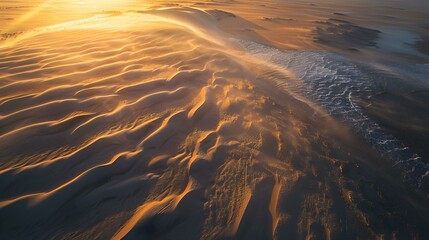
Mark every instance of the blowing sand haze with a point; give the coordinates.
(280, 119)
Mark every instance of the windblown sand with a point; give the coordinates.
(159, 125)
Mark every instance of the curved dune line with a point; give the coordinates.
(14, 97)
(49, 54)
(71, 38)
(84, 66)
(195, 75)
(18, 53)
(142, 87)
(19, 60)
(162, 133)
(20, 67)
(203, 99)
(273, 204)
(85, 45)
(198, 150)
(144, 102)
(41, 170)
(166, 204)
(83, 71)
(75, 74)
(81, 148)
(67, 106)
(106, 79)
(109, 97)
(56, 90)
(49, 104)
(89, 89)
(175, 55)
(102, 54)
(36, 198)
(47, 124)
(58, 109)
(198, 59)
(98, 56)
(238, 218)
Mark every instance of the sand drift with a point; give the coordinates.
(335, 83)
(148, 125)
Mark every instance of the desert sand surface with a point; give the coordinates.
(214, 119)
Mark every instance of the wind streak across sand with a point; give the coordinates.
(155, 126)
(336, 83)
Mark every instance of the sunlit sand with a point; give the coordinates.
(213, 120)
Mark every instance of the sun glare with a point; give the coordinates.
(102, 3)
(48, 12)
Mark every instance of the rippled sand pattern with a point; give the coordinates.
(149, 131)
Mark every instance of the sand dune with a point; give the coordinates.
(149, 125)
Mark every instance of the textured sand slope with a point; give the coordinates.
(146, 126)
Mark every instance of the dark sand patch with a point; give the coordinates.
(277, 19)
(405, 117)
(423, 46)
(220, 14)
(14, 7)
(5, 36)
(345, 35)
